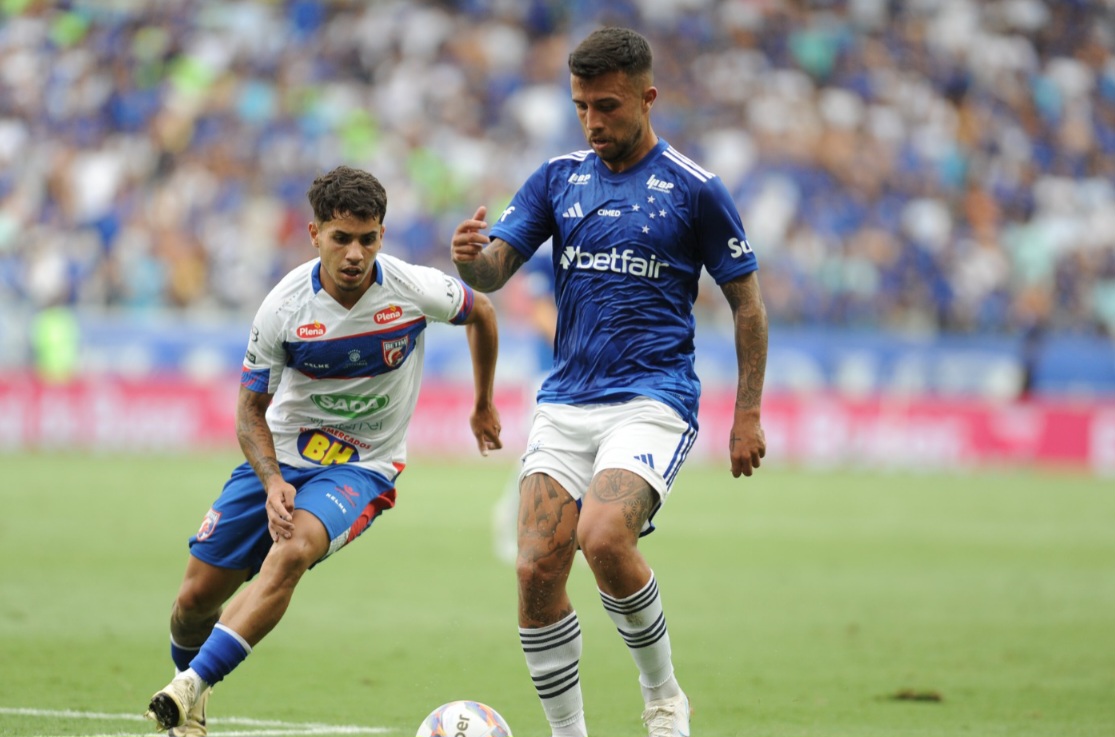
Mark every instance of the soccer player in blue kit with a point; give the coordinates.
(633, 221)
(329, 383)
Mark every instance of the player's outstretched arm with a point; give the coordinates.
(483, 345)
(482, 263)
(748, 444)
(259, 449)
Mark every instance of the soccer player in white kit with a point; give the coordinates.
(329, 383)
(633, 222)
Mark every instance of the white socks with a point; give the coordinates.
(642, 625)
(553, 656)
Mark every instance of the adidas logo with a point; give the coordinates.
(646, 458)
(574, 212)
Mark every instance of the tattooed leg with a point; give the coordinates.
(547, 543)
(613, 512)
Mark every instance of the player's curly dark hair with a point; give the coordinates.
(611, 50)
(347, 191)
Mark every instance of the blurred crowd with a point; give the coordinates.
(932, 166)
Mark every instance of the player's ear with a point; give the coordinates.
(650, 94)
(312, 228)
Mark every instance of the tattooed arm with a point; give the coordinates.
(483, 263)
(748, 444)
(259, 449)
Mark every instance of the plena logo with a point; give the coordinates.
(351, 406)
(615, 261)
(390, 313)
(311, 330)
(658, 185)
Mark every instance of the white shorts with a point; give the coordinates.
(573, 443)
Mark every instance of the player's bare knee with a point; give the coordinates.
(291, 558)
(604, 548)
(193, 613)
(608, 534)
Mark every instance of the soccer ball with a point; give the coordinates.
(464, 719)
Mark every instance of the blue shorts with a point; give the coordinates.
(345, 498)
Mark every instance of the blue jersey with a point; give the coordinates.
(628, 250)
(538, 274)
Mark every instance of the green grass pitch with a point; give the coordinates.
(800, 602)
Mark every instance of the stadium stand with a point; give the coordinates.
(938, 171)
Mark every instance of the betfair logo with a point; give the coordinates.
(615, 261)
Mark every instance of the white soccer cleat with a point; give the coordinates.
(195, 719)
(171, 705)
(667, 717)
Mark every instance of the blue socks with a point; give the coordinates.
(221, 653)
(182, 655)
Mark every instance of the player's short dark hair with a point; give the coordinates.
(347, 191)
(611, 50)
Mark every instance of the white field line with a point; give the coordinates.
(263, 727)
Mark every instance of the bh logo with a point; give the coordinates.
(325, 450)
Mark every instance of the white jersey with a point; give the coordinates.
(346, 381)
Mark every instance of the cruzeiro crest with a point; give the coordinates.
(394, 351)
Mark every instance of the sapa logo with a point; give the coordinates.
(351, 406)
(311, 330)
(390, 313)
